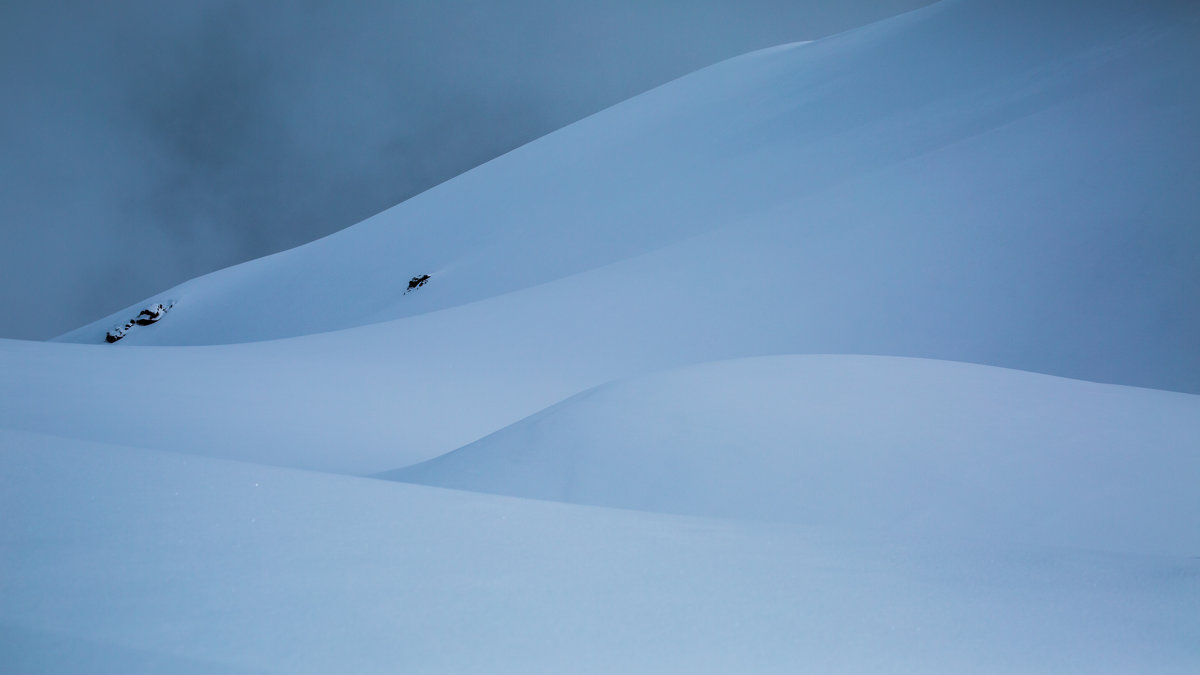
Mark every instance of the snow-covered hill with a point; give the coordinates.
(1010, 183)
(903, 446)
(634, 387)
(126, 561)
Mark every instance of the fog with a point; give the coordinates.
(146, 143)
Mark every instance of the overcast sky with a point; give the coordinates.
(143, 143)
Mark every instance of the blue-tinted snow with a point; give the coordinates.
(1003, 183)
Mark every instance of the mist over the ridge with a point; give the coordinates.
(146, 143)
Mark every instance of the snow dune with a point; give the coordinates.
(1009, 184)
(121, 561)
(900, 446)
(979, 180)
(718, 481)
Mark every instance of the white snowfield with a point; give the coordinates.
(130, 561)
(982, 180)
(902, 446)
(629, 421)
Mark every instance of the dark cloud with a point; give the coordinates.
(147, 142)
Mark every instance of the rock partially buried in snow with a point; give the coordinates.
(149, 315)
(117, 333)
(417, 282)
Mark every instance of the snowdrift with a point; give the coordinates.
(902, 446)
(1010, 183)
(1004, 183)
(119, 560)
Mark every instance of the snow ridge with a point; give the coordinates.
(617, 380)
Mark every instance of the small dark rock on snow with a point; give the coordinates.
(150, 315)
(145, 317)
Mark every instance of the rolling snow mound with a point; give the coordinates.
(1002, 182)
(904, 446)
(1010, 183)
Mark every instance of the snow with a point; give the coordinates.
(976, 181)
(900, 446)
(831, 357)
(140, 561)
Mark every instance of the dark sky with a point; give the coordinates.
(148, 142)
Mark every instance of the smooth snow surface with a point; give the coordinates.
(120, 561)
(981, 180)
(896, 445)
(628, 417)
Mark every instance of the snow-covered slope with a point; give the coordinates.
(995, 182)
(125, 561)
(902, 446)
(1001, 182)
(1007, 183)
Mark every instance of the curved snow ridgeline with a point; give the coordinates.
(717, 480)
(1009, 183)
(903, 446)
